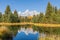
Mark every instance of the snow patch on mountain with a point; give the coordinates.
(28, 13)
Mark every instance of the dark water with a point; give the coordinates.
(22, 36)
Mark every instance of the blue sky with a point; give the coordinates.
(22, 5)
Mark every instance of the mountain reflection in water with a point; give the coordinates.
(26, 34)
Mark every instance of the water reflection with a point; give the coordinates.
(26, 34)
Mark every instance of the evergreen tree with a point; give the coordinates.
(35, 19)
(0, 17)
(49, 13)
(7, 11)
(13, 17)
(41, 18)
(16, 16)
(6, 16)
(58, 17)
(54, 14)
(56, 10)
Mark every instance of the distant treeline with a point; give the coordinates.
(52, 15)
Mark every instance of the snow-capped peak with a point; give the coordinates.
(28, 13)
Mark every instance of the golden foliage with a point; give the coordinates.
(3, 29)
(30, 17)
